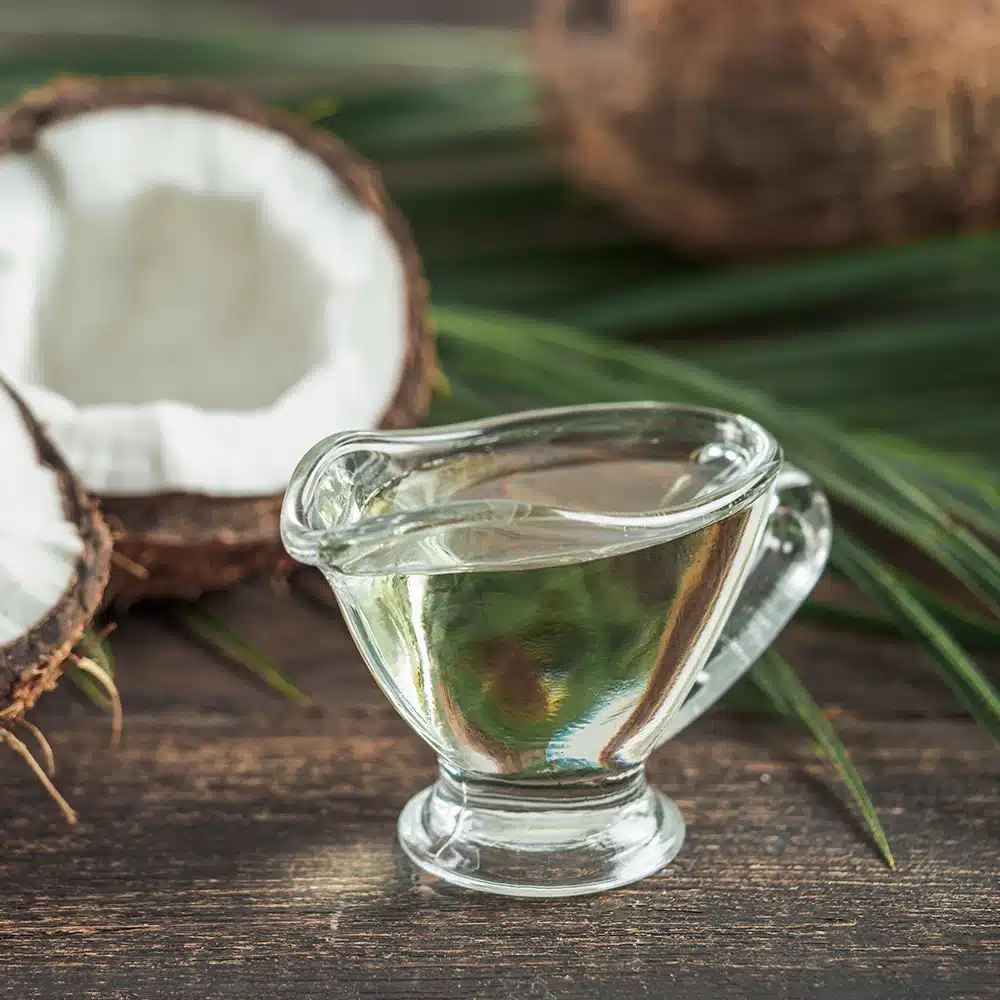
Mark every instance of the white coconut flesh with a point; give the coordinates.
(188, 301)
(39, 547)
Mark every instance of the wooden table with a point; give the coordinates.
(237, 846)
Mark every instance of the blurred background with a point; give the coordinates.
(513, 13)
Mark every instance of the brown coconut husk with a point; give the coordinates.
(32, 664)
(755, 128)
(181, 544)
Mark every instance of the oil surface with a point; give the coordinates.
(513, 650)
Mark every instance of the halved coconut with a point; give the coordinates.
(55, 553)
(194, 290)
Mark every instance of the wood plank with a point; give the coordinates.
(239, 847)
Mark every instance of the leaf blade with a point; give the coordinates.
(212, 629)
(777, 680)
(570, 365)
(882, 585)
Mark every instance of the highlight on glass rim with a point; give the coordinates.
(465, 451)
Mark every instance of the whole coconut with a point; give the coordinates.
(750, 128)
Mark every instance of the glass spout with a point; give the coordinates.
(331, 505)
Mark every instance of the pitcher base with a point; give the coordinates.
(541, 841)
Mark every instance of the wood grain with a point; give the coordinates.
(238, 847)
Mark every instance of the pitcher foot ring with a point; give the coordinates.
(521, 847)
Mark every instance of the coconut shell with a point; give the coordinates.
(178, 544)
(754, 128)
(32, 664)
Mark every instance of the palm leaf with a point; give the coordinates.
(586, 366)
(884, 586)
(34, 48)
(778, 681)
(560, 365)
(742, 294)
(213, 630)
(94, 647)
(971, 629)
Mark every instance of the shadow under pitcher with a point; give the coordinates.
(546, 598)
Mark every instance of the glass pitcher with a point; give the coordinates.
(548, 597)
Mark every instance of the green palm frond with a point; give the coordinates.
(225, 640)
(778, 682)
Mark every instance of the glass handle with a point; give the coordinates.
(789, 562)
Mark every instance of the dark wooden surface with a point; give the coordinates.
(239, 847)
